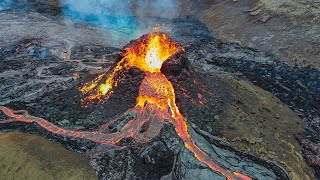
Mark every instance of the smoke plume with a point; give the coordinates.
(129, 16)
(5, 4)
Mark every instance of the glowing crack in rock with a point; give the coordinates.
(155, 103)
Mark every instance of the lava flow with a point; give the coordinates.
(154, 105)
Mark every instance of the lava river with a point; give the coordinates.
(155, 103)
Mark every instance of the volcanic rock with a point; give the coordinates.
(63, 106)
(173, 65)
(207, 100)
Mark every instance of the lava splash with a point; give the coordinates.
(155, 104)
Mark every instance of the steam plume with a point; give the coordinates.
(119, 15)
(5, 4)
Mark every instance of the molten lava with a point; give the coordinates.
(147, 54)
(155, 102)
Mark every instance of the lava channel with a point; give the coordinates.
(155, 103)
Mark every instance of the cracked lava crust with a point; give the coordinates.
(155, 103)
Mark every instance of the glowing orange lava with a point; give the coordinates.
(147, 54)
(155, 103)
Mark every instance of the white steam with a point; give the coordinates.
(129, 16)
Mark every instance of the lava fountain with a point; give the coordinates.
(155, 103)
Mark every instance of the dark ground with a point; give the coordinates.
(47, 88)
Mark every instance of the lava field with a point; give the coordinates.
(148, 110)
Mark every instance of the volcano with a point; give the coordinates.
(155, 103)
(158, 63)
(156, 100)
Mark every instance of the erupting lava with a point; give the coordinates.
(154, 105)
(147, 54)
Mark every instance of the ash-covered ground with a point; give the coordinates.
(34, 78)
